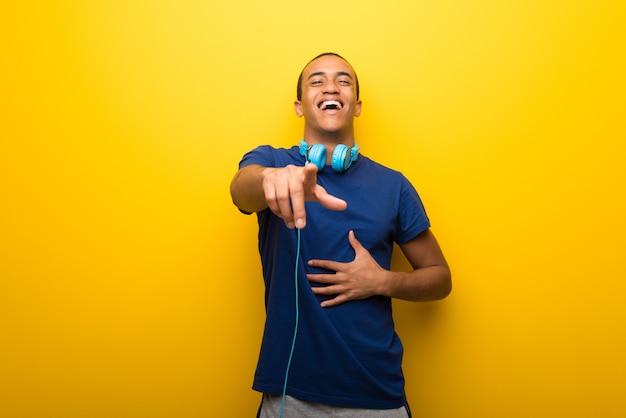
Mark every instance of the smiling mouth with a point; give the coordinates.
(330, 105)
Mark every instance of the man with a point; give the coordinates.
(328, 218)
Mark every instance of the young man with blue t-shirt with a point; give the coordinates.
(328, 218)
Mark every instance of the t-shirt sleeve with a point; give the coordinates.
(262, 156)
(412, 218)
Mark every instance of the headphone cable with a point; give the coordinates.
(295, 331)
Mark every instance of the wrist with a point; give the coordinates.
(385, 283)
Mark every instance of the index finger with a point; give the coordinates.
(326, 264)
(309, 177)
(299, 193)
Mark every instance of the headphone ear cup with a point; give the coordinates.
(304, 148)
(340, 160)
(317, 156)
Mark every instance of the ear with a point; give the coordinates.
(357, 108)
(297, 106)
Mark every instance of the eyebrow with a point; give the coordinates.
(338, 73)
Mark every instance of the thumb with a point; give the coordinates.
(315, 192)
(355, 243)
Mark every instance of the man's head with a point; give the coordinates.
(328, 99)
(299, 86)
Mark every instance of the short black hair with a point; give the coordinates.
(299, 87)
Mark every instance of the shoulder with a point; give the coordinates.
(388, 180)
(269, 156)
(376, 170)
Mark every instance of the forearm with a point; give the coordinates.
(420, 285)
(246, 189)
(364, 277)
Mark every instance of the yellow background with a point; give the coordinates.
(130, 285)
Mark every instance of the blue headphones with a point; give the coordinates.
(339, 161)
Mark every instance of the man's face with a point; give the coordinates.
(328, 102)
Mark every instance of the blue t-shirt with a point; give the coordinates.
(348, 355)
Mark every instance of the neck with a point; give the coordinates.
(330, 142)
(329, 139)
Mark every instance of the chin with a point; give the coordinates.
(334, 127)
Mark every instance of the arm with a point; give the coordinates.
(246, 189)
(363, 277)
(430, 279)
(283, 190)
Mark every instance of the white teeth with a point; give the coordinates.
(330, 103)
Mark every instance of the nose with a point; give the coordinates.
(331, 87)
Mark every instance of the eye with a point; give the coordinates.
(344, 82)
(317, 82)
